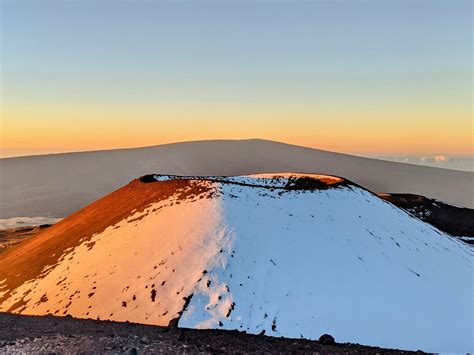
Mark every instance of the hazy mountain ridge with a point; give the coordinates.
(60, 184)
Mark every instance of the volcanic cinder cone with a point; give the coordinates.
(288, 255)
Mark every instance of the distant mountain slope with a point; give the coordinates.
(288, 255)
(57, 185)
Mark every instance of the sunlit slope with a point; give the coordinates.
(57, 185)
(292, 256)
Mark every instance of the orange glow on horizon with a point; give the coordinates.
(51, 129)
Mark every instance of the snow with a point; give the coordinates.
(275, 180)
(293, 263)
(338, 272)
(128, 261)
(163, 177)
(420, 212)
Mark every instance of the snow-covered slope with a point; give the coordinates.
(287, 255)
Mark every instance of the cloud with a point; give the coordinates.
(18, 222)
(463, 163)
(437, 158)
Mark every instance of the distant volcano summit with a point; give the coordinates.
(293, 255)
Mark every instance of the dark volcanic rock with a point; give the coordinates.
(457, 221)
(48, 334)
(327, 339)
(148, 178)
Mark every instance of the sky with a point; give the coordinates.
(358, 76)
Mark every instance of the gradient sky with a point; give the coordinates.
(354, 76)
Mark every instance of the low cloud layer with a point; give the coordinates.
(18, 222)
(438, 161)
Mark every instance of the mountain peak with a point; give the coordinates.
(287, 254)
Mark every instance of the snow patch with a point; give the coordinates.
(273, 180)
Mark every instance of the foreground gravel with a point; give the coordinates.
(48, 334)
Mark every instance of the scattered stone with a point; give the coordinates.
(327, 339)
(71, 336)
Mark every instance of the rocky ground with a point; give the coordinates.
(12, 236)
(48, 334)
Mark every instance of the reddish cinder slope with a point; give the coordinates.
(28, 260)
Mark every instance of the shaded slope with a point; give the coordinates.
(60, 184)
(286, 256)
(454, 220)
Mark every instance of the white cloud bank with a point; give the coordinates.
(463, 163)
(18, 222)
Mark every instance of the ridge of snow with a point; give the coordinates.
(275, 180)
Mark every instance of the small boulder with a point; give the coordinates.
(327, 339)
